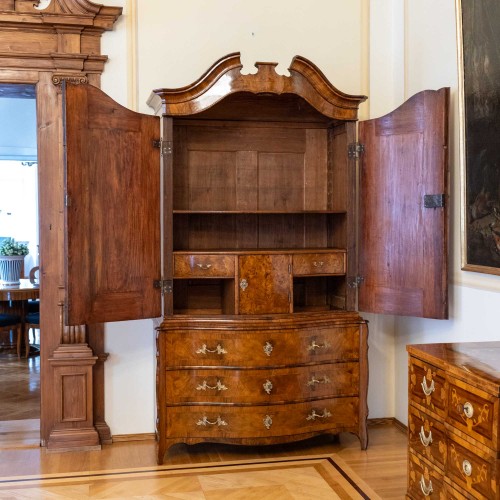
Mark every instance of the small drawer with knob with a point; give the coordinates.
(427, 387)
(194, 265)
(427, 437)
(262, 421)
(310, 264)
(257, 386)
(473, 411)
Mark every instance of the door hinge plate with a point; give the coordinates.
(165, 146)
(434, 200)
(355, 281)
(355, 149)
(166, 286)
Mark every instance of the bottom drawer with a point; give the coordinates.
(424, 481)
(337, 414)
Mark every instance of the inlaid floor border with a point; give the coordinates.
(336, 462)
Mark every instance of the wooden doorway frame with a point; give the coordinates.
(44, 48)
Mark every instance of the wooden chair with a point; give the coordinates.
(32, 320)
(9, 322)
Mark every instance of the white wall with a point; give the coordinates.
(388, 49)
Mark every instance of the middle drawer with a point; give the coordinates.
(257, 386)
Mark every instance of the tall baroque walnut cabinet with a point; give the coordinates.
(235, 217)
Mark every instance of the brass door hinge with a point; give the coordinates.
(166, 286)
(165, 146)
(355, 150)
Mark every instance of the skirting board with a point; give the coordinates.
(119, 438)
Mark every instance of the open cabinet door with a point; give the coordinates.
(403, 239)
(112, 214)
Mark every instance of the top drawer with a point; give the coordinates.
(308, 264)
(259, 348)
(427, 387)
(203, 266)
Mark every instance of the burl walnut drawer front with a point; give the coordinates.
(427, 436)
(261, 348)
(258, 386)
(473, 411)
(262, 421)
(427, 387)
(204, 266)
(319, 263)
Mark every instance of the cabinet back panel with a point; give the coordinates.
(238, 166)
(247, 231)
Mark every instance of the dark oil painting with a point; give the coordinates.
(481, 70)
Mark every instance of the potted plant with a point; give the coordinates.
(12, 255)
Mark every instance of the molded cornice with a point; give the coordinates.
(65, 12)
(225, 78)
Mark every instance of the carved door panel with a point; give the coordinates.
(265, 284)
(403, 240)
(112, 216)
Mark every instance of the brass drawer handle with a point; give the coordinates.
(205, 267)
(218, 387)
(268, 421)
(318, 263)
(428, 390)
(313, 346)
(426, 490)
(468, 410)
(204, 350)
(219, 422)
(268, 348)
(426, 441)
(467, 467)
(243, 284)
(314, 415)
(313, 381)
(268, 386)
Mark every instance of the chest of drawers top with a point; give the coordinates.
(477, 363)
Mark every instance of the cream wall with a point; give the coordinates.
(387, 49)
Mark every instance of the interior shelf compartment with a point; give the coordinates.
(319, 293)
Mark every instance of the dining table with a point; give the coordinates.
(14, 299)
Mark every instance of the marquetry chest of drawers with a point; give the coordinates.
(453, 421)
(269, 379)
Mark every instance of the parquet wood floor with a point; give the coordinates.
(306, 478)
(382, 466)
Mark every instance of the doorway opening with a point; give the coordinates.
(19, 222)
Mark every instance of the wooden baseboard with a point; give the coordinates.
(388, 421)
(120, 438)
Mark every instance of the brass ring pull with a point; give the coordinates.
(204, 266)
(313, 381)
(219, 422)
(428, 390)
(204, 350)
(467, 467)
(314, 415)
(318, 263)
(313, 346)
(426, 490)
(218, 387)
(425, 440)
(468, 410)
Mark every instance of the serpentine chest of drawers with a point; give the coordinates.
(453, 421)
(263, 381)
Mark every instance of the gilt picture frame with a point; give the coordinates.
(478, 34)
